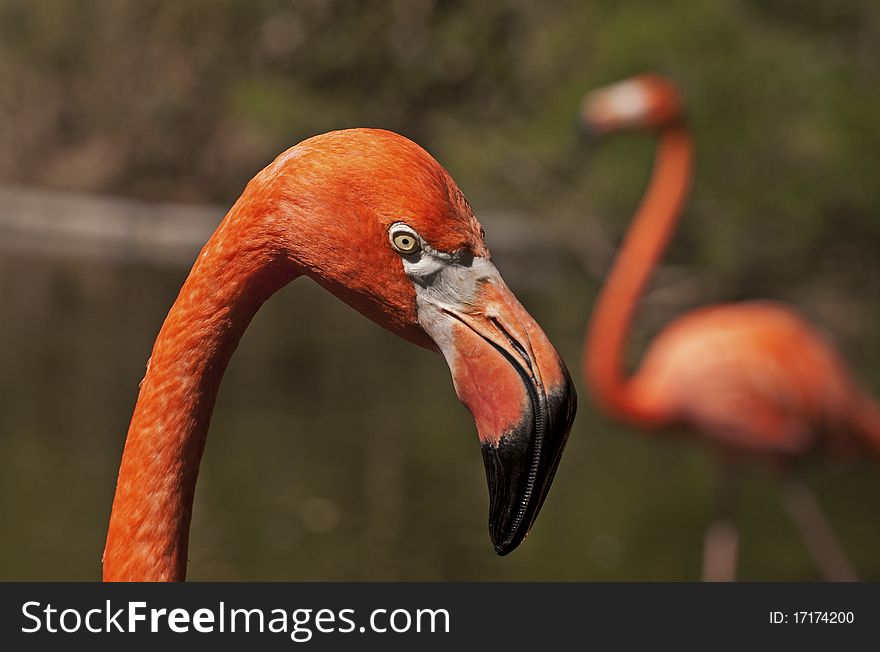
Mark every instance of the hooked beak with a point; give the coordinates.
(516, 386)
(594, 120)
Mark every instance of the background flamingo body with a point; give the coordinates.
(756, 378)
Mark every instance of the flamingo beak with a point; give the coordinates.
(596, 117)
(513, 381)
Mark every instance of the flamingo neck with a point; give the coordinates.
(237, 270)
(642, 249)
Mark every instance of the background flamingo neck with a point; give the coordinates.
(149, 525)
(642, 248)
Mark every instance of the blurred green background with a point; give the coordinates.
(336, 450)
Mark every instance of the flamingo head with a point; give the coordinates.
(378, 222)
(642, 102)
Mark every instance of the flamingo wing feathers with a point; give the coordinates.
(754, 376)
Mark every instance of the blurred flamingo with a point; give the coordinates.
(374, 219)
(753, 378)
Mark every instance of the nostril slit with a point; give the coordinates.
(513, 342)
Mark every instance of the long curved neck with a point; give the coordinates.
(237, 270)
(642, 248)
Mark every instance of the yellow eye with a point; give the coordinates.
(404, 242)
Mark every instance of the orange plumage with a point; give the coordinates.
(328, 209)
(756, 378)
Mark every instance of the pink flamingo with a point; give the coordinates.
(375, 220)
(753, 378)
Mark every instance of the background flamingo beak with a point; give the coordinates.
(513, 381)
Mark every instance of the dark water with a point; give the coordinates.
(340, 452)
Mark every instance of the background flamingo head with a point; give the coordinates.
(373, 218)
(647, 101)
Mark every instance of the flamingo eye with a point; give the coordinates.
(404, 241)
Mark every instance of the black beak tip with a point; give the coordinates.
(521, 467)
(504, 548)
(506, 540)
